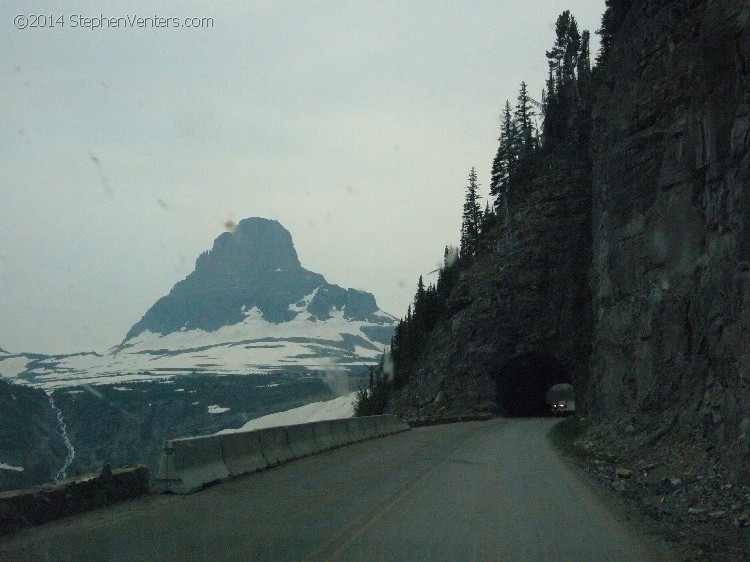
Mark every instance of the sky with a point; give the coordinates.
(124, 151)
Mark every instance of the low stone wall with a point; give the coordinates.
(40, 504)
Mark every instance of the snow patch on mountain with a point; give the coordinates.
(338, 408)
(11, 367)
(301, 307)
(248, 307)
(216, 409)
(252, 346)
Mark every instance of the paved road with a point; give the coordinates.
(474, 491)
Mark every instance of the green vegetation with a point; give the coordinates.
(613, 17)
(564, 435)
(372, 400)
(471, 226)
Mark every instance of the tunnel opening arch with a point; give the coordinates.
(523, 383)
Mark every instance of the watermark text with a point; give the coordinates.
(101, 21)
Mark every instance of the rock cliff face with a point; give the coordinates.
(629, 274)
(523, 307)
(671, 222)
(31, 449)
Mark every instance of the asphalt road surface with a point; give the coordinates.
(493, 490)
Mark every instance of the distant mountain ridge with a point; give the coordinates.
(255, 266)
(248, 307)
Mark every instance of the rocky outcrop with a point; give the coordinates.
(255, 266)
(671, 224)
(524, 304)
(629, 273)
(249, 307)
(31, 449)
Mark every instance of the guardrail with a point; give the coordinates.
(189, 464)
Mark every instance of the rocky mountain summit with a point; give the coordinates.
(254, 267)
(249, 307)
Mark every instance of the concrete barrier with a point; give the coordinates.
(301, 440)
(355, 428)
(368, 427)
(242, 452)
(41, 504)
(189, 464)
(323, 437)
(275, 445)
(339, 432)
(382, 425)
(390, 424)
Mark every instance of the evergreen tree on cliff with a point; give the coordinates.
(504, 161)
(472, 218)
(524, 123)
(372, 400)
(566, 110)
(569, 83)
(614, 15)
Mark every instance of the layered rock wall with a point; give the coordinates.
(671, 221)
(526, 296)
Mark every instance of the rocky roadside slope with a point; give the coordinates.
(682, 493)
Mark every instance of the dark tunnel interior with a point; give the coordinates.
(523, 382)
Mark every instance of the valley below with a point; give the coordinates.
(126, 424)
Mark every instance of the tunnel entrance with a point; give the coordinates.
(524, 381)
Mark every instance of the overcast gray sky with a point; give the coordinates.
(354, 124)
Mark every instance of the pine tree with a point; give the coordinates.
(505, 159)
(614, 15)
(583, 63)
(419, 297)
(373, 399)
(550, 126)
(524, 123)
(488, 220)
(572, 42)
(472, 217)
(419, 329)
(584, 85)
(568, 86)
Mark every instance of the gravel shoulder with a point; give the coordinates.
(673, 488)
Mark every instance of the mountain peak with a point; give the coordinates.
(256, 245)
(253, 268)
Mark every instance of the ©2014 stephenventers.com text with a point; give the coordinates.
(130, 21)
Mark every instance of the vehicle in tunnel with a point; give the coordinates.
(561, 399)
(524, 382)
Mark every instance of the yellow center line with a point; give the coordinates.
(367, 520)
(378, 515)
(362, 522)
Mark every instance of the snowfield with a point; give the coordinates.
(216, 409)
(253, 346)
(338, 408)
